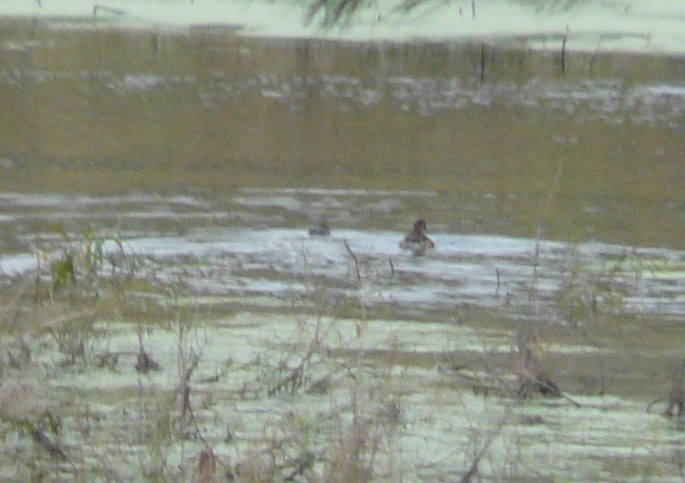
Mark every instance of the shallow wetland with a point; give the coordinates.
(155, 194)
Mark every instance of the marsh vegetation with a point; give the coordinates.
(123, 370)
(165, 314)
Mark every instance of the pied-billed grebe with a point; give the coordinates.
(416, 240)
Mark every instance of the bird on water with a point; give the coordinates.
(416, 240)
(321, 229)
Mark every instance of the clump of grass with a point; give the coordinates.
(85, 265)
(295, 369)
(70, 343)
(588, 293)
(535, 377)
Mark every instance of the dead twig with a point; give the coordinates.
(295, 377)
(354, 258)
(492, 434)
(145, 363)
(562, 61)
(44, 441)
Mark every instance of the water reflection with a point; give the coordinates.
(594, 154)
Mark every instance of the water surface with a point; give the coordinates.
(592, 153)
(555, 198)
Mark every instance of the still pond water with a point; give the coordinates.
(202, 143)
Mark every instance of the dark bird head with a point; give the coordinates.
(420, 226)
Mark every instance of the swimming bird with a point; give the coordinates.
(322, 229)
(416, 240)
